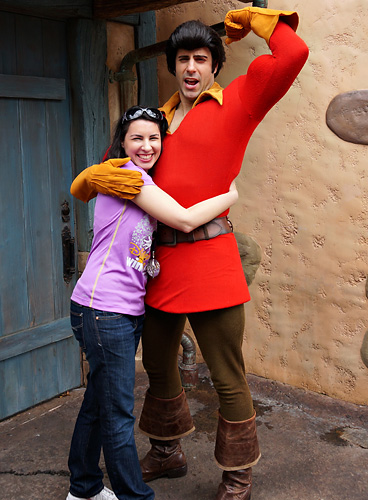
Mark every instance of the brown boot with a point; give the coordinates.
(166, 419)
(165, 459)
(235, 485)
(236, 451)
(237, 444)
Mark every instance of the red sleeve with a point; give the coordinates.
(270, 76)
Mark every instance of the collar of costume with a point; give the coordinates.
(214, 92)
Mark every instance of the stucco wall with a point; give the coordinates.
(304, 199)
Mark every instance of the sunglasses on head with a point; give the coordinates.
(138, 111)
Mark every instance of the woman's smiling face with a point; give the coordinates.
(142, 143)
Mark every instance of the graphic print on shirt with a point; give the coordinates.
(141, 242)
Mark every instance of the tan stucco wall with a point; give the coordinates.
(304, 199)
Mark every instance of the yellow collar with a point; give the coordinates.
(169, 108)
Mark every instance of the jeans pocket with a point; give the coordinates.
(76, 320)
(108, 315)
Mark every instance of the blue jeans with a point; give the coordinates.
(106, 419)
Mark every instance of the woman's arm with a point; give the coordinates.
(162, 207)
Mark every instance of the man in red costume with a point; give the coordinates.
(201, 275)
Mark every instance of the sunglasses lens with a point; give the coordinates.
(136, 112)
(154, 113)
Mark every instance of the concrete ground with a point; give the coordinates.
(313, 447)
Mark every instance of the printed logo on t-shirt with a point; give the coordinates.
(141, 243)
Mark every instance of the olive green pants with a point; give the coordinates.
(219, 334)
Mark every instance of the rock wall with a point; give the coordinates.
(304, 200)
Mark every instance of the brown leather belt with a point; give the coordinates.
(170, 237)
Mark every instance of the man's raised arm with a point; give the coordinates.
(269, 76)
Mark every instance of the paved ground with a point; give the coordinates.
(313, 447)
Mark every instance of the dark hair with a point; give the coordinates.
(193, 35)
(116, 150)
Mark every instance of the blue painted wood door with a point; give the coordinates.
(39, 357)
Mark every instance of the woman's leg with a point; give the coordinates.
(115, 370)
(86, 477)
(111, 341)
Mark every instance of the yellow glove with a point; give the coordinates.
(238, 23)
(107, 178)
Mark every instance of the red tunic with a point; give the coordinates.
(199, 160)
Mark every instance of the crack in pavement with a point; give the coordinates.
(35, 473)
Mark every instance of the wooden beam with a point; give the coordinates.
(62, 9)
(145, 35)
(87, 43)
(130, 19)
(107, 9)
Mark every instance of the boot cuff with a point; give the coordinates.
(166, 419)
(237, 444)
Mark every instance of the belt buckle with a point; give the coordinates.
(230, 224)
(172, 243)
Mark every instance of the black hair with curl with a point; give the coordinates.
(193, 35)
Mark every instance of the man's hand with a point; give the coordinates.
(107, 178)
(238, 23)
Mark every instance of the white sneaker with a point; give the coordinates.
(105, 494)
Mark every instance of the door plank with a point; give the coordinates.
(7, 43)
(28, 44)
(32, 87)
(35, 176)
(13, 284)
(37, 211)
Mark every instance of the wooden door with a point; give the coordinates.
(39, 357)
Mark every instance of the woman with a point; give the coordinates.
(107, 309)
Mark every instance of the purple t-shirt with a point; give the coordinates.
(115, 277)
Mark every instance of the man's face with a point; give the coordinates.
(193, 72)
